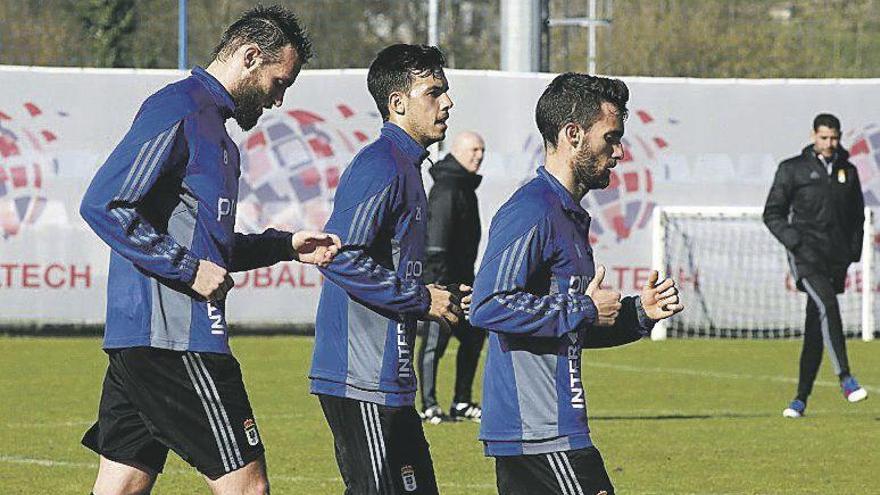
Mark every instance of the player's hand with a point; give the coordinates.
(212, 281)
(660, 300)
(315, 248)
(607, 302)
(467, 294)
(444, 305)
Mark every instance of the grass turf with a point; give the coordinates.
(674, 417)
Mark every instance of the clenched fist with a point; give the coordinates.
(607, 302)
(212, 281)
(315, 248)
(467, 295)
(445, 305)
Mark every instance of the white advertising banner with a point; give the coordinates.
(688, 142)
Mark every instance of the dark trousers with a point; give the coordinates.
(431, 349)
(822, 329)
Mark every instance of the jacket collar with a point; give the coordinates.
(218, 93)
(409, 146)
(568, 202)
(450, 170)
(841, 155)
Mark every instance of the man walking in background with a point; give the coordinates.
(453, 238)
(373, 295)
(816, 210)
(165, 203)
(541, 299)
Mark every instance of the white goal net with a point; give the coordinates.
(735, 280)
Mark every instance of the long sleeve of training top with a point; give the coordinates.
(258, 250)
(363, 202)
(632, 324)
(111, 203)
(778, 206)
(503, 301)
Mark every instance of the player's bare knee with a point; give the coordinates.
(260, 487)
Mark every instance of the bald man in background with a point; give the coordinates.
(453, 237)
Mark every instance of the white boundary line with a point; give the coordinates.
(716, 374)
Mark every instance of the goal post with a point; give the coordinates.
(735, 277)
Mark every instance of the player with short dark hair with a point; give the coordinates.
(164, 201)
(270, 28)
(540, 297)
(373, 295)
(816, 210)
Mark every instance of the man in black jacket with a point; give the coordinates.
(816, 210)
(453, 237)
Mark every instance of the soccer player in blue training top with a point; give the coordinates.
(537, 294)
(373, 295)
(165, 203)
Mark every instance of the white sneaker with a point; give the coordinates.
(795, 409)
(852, 390)
(857, 395)
(434, 415)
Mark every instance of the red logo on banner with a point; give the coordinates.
(25, 160)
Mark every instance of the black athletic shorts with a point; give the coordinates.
(380, 450)
(575, 472)
(192, 403)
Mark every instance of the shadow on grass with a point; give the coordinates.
(663, 417)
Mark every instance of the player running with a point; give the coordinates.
(537, 294)
(165, 203)
(362, 367)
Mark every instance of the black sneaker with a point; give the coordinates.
(434, 415)
(465, 410)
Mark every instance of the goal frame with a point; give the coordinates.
(659, 221)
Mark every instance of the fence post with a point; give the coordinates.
(182, 63)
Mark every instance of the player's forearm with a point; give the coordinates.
(527, 314)
(258, 250)
(632, 324)
(369, 282)
(135, 239)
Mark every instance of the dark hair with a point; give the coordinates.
(573, 97)
(395, 67)
(270, 28)
(827, 120)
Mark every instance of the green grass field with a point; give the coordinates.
(675, 417)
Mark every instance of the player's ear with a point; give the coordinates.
(572, 133)
(397, 103)
(251, 56)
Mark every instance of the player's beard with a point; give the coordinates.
(249, 99)
(586, 170)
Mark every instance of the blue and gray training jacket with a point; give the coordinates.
(165, 199)
(373, 293)
(530, 293)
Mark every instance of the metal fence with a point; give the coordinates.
(345, 33)
(695, 38)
